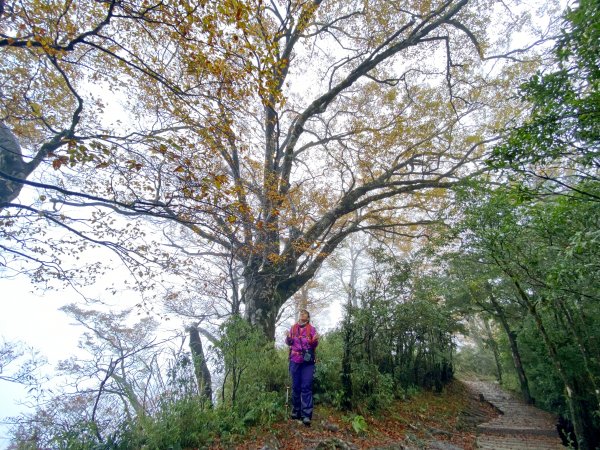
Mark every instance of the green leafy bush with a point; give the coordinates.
(255, 374)
(327, 387)
(359, 424)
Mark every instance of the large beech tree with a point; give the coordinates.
(270, 130)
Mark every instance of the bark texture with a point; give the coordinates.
(201, 370)
(12, 164)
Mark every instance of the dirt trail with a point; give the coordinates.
(456, 419)
(518, 427)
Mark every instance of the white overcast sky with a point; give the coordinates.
(32, 318)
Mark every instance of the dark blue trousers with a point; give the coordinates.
(302, 382)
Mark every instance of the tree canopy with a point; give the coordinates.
(559, 140)
(270, 131)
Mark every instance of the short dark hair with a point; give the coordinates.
(305, 311)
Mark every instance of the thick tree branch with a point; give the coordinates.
(319, 105)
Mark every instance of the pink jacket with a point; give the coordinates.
(302, 338)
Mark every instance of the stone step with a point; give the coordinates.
(518, 427)
(517, 442)
(504, 430)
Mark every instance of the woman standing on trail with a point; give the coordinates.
(302, 340)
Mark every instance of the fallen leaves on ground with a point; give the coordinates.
(425, 417)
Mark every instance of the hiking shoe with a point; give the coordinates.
(295, 417)
(306, 421)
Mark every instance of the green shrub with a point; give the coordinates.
(255, 374)
(371, 388)
(359, 424)
(253, 393)
(178, 424)
(327, 387)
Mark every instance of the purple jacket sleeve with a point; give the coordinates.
(297, 342)
(290, 340)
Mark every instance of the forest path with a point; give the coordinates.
(519, 426)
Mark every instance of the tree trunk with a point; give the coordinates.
(352, 282)
(14, 169)
(580, 416)
(495, 350)
(262, 301)
(582, 347)
(11, 163)
(346, 402)
(516, 356)
(200, 368)
(514, 350)
(303, 300)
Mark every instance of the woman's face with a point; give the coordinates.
(303, 317)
